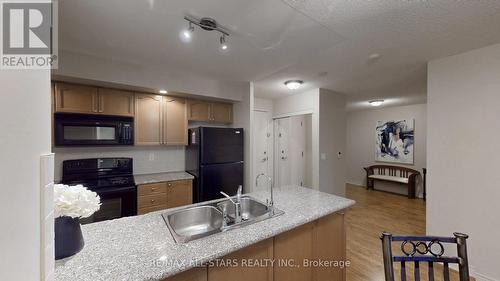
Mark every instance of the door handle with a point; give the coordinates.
(264, 159)
(283, 157)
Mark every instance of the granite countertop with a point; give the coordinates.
(162, 177)
(142, 248)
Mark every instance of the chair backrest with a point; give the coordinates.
(424, 249)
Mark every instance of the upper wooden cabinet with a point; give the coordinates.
(222, 112)
(75, 98)
(174, 121)
(199, 110)
(160, 120)
(148, 118)
(210, 111)
(72, 98)
(116, 102)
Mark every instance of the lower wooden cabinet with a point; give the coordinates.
(164, 195)
(195, 274)
(295, 245)
(244, 270)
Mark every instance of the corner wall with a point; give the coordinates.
(361, 142)
(463, 149)
(25, 127)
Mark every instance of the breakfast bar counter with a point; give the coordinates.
(142, 247)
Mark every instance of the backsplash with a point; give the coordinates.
(147, 160)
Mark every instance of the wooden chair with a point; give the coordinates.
(422, 249)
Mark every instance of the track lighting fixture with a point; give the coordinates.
(208, 24)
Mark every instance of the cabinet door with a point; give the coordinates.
(329, 245)
(294, 245)
(179, 193)
(221, 112)
(244, 271)
(195, 274)
(174, 121)
(75, 98)
(148, 119)
(116, 102)
(199, 111)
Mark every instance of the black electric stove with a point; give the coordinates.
(111, 178)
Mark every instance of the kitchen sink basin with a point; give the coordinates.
(194, 222)
(250, 208)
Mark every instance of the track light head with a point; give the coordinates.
(223, 44)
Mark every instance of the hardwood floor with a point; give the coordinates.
(375, 212)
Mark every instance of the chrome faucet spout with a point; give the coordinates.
(270, 203)
(237, 204)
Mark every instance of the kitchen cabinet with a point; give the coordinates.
(329, 245)
(116, 102)
(148, 119)
(74, 98)
(294, 245)
(221, 112)
(174, 121)
(160, 120)
(179, 193)
(163, 195)
(245, 269)
(215, 112)
(195, 274)
(199, 111)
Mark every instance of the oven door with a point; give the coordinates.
(115, 203)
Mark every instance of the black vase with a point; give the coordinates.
(68, 237)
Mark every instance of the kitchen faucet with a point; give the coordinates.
(270, 203)
(237, 204)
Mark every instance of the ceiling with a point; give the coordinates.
(326, 43)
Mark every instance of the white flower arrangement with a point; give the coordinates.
(75, 201)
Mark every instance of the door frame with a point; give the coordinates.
(270, 145)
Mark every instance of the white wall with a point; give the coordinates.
(361, 137)
(243, 118)
(332, 129)
(328, 134)
(463, 149)
(152, 77)
(147, 159)
(25, 136)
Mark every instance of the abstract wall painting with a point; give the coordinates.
(394, 141)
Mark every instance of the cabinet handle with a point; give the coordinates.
(153, 188)
(169, 184)
(152, 200)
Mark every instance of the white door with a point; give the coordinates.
(297, 147)
(282, 171)
(262, 145)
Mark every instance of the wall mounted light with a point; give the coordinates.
(376, 102)
(223, 44)
(293, 84)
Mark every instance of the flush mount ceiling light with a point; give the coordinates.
(163, 92)
(293, 84)
(376, 102)
(207, 24)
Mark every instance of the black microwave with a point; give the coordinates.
(89, 130)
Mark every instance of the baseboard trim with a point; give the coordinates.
(481, 277)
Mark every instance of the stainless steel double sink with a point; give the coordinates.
(194, 222)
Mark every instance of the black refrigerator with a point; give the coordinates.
(214, 156)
